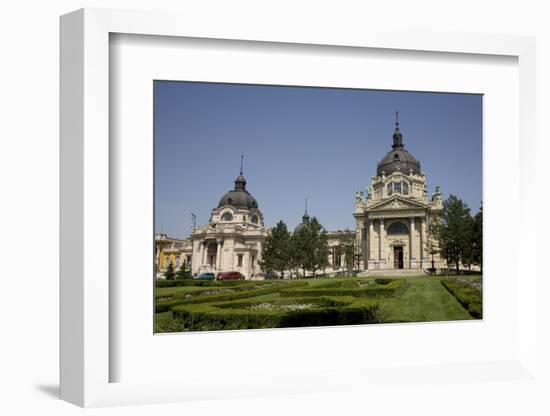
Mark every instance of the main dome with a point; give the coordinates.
(239, 197)
(398, 159)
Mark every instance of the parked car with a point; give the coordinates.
(206, 276)
(230, 276)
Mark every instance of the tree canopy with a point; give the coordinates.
(306, 250)
(455, 232)
(276, 251)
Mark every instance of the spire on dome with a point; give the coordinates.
(240, 182)
(397, 136)
(305, 218)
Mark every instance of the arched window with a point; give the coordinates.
(390, 189)
(398, 228)
(227, 216)
(254, 219)
(397, 187)
(405, 188)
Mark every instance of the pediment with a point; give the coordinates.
(397, 203)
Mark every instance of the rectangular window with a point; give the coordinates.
(390, 189)
(239, 260)
(397, 187)
(253, 261)
(405, 188)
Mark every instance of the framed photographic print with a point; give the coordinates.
(324, 209)
(402, 253)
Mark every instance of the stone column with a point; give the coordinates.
(382, 253)
(201, 254)
(411, 239)
(219, 254)
(204, 259)
(359, 243)
(423, 241)
(157, 258)
(371, 247)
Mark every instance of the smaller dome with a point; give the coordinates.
(239, 197)
(304, 225)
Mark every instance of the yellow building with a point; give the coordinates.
(171, 250)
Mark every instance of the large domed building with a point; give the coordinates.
(232, 239)
(392, 216)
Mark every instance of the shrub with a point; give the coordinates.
(388, 290)
(201, 317)
(469, 297)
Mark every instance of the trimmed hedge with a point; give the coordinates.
(195, 282)
(469, 297)
(376, 291)
(205, 317)
(179, 299)
(341, 302)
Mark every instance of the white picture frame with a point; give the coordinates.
(86, 355)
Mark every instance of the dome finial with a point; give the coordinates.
(240, 182)
(305, 218)
(397, 136)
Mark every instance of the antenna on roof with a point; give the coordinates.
(397, 118)
(306, 205)
(241, 164)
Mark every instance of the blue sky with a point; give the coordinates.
(319, 143)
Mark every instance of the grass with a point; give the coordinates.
(426, 300)
(340, 301)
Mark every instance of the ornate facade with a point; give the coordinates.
(232, 240)
(392, 215)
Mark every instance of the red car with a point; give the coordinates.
(230, 276)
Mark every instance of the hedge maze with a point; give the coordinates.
(190, 305)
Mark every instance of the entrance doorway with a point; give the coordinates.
(398, 257)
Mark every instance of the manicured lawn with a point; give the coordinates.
(306, 302)
(425, 300)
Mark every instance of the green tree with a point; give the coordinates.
(310, 248)
(316, 247)
(302, 243)
(468, 249)
(455, 230)
(321, 252)
(295, 255)
(169, 272)
(346, 248)
(276, 251)
(477, 239)
(432, 247)
(184, 272)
